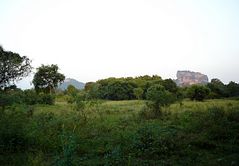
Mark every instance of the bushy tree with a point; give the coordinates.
(47, 78)
(198, 92)
(120, 90)
(218, 89)
(12, 67)
(71, 90)
(170, 85)
(92, 90)
(138, 93)
(114, 89)
(158, 97)
(233, 89)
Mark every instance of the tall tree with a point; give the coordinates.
(218, 88)
(47, 78)
(233, 89)
(13, 67)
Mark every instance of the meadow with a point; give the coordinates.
(121, 133)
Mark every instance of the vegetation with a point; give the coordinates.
(12, 67)
(114, 133)
(158, 97)
(47, 78)
(198, 92)
(89, 127)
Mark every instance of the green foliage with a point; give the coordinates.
(117, 90)
(71, 90)
(233, 89)
(30, 97)
(153, 141)
(92, 90)
(69, 146)
(121, 88)
(198, 92)
(12, 67)
(159, 97)
(13, 134)
(170, 85)
(138, 93)
(71, 94)
(8, 98)
(218, 89)
(47, 78)
(203, 133)
(48, 99)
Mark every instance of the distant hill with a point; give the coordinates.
(70, 81)
(187, 78)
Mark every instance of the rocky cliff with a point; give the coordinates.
(187, 78)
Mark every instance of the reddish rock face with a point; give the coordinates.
(187, 78)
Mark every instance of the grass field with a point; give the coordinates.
(122, 133)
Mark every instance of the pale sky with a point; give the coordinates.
(95, 39)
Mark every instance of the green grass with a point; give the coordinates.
(120, 133)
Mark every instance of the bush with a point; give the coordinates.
(158, 97)
(13, 131)
(198, 92)
(153, 142)
(46, 99)
(9, 98)
(30, 97)
(138, 93)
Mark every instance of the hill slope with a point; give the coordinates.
(70, 81)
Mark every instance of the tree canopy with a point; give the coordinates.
(47, 78)
(198, 92)
(13, 67)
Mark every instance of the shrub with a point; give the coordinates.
(155, 141)
(9, 98)
(198, 92)
(158, 97)
(30, 97)
(13, 131)
(46, 99)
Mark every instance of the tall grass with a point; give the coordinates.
(122, 133)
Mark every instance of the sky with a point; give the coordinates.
(96, 39)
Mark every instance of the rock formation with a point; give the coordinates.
(187, 78)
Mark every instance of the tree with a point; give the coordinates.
(138, 92)
(13, 67)
(217, 88)
(159, 97)
(92, 90)
(120, 90)
(233, 89)
(71, 90)
(47, 78)
(198, 92)
(170, 85)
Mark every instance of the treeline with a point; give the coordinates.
(136, 88)
(14, 67)
(127, 88)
